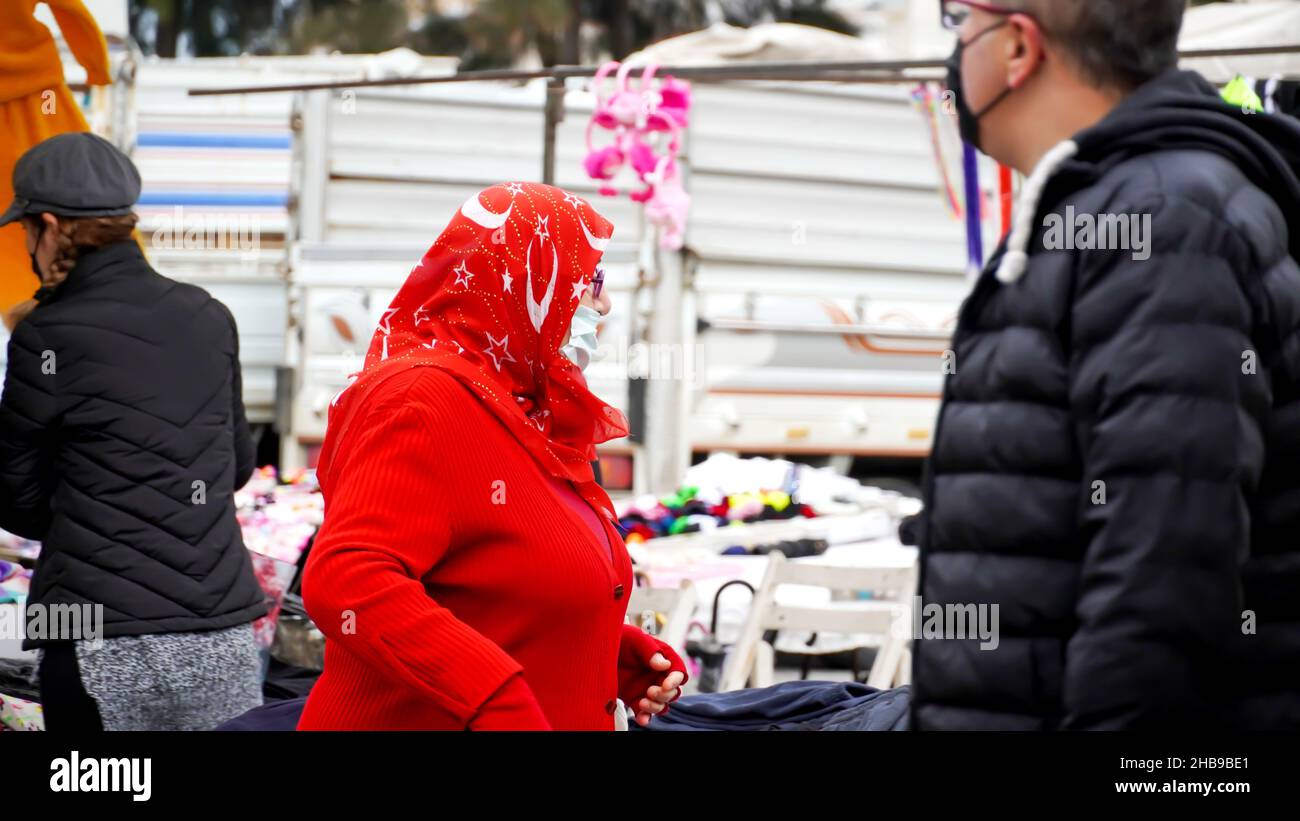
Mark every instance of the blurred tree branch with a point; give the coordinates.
(493, 34)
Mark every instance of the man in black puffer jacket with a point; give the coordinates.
(122, 441)
(1116, 466)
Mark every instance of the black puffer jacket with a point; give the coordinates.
(122, 395)
(1117, 461)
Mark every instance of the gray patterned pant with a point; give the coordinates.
(172, 681)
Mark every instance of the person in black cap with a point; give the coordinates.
(122, 441)
(78, 176)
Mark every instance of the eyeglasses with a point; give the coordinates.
(953, 13)
(597, 283)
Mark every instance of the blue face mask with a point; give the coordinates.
(582, 337)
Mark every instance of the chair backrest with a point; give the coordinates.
(891, 586)
(676, 604)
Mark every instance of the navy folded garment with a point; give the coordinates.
(791, 705)
(274, 716)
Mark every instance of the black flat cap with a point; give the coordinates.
(73, 175)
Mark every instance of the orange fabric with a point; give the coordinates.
(35, 104)
(29, 57)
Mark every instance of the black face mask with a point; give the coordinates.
(968, 121)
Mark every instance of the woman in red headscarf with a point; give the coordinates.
(468, 573)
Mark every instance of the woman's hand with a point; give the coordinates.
(658, 696)
(650, 673)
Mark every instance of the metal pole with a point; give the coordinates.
(667, 448)
(805, 70)
(553, 111)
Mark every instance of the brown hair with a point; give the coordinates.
(77, 236)
(85, 234)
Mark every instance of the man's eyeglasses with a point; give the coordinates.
(953, 13)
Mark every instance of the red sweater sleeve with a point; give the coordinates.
(387, 525)
(513, 707)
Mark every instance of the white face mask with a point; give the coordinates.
(582, 337)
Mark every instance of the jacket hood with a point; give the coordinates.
(1180, 110)
(1176, 111)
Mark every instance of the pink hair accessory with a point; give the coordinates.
(669, 205)
(646, 123)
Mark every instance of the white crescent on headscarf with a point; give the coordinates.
(537, 311)
(596, 243)
(475, 212)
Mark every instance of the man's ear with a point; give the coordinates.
(1024, 49)
(51, 222)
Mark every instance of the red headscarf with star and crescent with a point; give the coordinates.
(490, 303)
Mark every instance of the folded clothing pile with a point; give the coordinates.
(792, 548)
(793, 705)
(18, 677)
(693, 511)
(20, 715)
(279, 515)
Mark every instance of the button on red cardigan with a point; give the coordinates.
(446, 566)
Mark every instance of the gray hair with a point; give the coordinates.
(1113, 43)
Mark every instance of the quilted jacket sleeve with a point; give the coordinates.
(28, 434)
(245, 450)
(1166, 412)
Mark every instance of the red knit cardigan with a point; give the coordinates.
(446, 565)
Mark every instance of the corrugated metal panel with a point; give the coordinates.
(814, 205)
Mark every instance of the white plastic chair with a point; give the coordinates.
(882, 618)
(677, 606)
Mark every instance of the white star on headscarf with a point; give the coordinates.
(505, 282)
(543, 230)
(572, 200)
(421, 315)
(579, 288)
(385, 323)
(498, 356)
(515, 188)
(463, 275)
